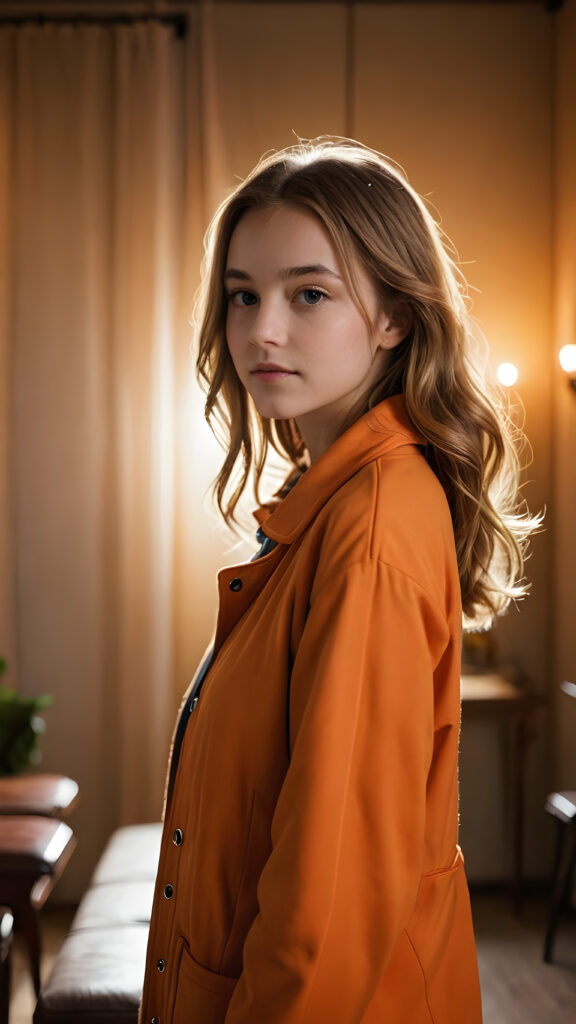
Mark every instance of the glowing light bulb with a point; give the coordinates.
(507, 374)
(567, 357)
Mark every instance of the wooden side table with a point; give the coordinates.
(490, 696)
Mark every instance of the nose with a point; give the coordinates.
(268, 327)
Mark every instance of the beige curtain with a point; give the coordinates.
(96, 386)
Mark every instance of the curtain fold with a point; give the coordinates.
(146, 249)
(7, 615)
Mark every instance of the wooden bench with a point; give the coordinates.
(99, 971)
(53, 796)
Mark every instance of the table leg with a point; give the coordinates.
(518, 769)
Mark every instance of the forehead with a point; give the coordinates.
(282, 235)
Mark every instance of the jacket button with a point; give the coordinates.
(155, 1020)
(161, 965)
(168, 891)
(178, 837)
(236, 584)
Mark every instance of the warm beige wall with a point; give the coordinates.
(273, 72)
(462, 97)
(564, 496)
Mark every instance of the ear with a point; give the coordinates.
(392, 329)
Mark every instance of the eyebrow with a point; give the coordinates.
(286, 273)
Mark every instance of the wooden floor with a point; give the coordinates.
(56, 921)
(517, 987)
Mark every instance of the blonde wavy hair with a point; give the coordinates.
(372, 215)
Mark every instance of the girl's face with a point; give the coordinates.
(299, 343)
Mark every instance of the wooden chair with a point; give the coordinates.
(562, 807)
(34, 851)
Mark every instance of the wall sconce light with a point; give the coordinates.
(507, 374)
(567, 357)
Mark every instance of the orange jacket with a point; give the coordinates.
(309, 872)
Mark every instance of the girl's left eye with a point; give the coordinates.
(241, 298)
(310, 296)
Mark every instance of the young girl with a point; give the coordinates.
(309, 871)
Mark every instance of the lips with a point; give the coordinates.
(271, 371)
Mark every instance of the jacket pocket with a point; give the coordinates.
(442, 939)
(200, 995)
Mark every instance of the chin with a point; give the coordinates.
(273, 411)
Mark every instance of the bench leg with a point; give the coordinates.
(29, 927)
(5, 990)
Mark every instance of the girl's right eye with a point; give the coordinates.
(242, 298)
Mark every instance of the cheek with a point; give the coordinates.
(355, 355)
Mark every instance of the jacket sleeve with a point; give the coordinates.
(348, 830)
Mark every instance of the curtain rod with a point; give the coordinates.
(169, 10)
(177, 13)
(178, 22)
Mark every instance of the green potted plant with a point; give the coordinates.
(20, 727)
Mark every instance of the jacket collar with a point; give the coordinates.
(380, 430)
